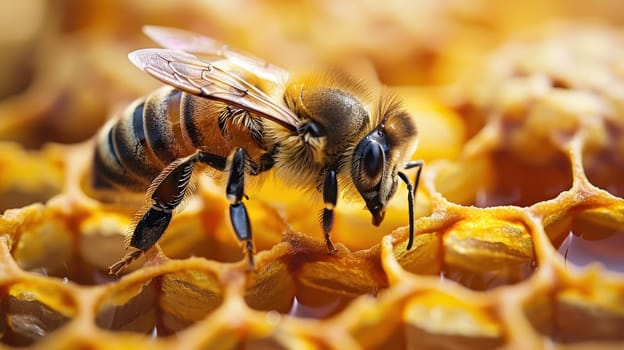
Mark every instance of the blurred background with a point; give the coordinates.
(63, 67)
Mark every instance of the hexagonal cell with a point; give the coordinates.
(312, 283)
(160, 306)
(270, 287)
(594, 236)
(588, 313)
(603, 168)
(32, 310)
(204, 229)
(315, 303)
(426, 257)
(481, 253)
(50, 249)
(324, 284)
(488, 252)
(503, 178)
(21, 181)
(435, 320)
(376, 322)
(515, 181)
(579, 320)
(135, 312)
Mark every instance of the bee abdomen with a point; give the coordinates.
(132, 151)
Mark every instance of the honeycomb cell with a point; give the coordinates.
(518, 182)
(314, 303)
(500, 177)
(579, 318)
(382, 326)
(325, 288)
(99, 245)
(461, 182)
(301, 278)
(161, 305)
(595, 236)
(350, 275)
(132, 309)
(603, 169)
(485, 252)
(203, 228)
(186, 297)
(20, 180)
(193, 234)
(271, 287)
(51, 248)
(46, 249)
(437, 321)
(576, 313)
(426, 255)
(31, 310)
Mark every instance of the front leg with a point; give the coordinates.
(330, 198)
(411, 195)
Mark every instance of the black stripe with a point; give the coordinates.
(137, 124)
(158, 129)
(131, 145)
(107, 172)
(101, 178)
(189, 118)
(111, 147)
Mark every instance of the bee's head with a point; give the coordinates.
(380, 155)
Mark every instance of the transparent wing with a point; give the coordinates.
(177, 39)
(190, 74)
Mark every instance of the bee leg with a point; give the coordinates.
(235, 191)
(168, 189)
(411, 196)
(330, 198)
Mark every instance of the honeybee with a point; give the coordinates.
(241, 116)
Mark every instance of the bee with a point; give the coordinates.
(243, 117)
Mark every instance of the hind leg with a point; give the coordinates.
(168, 191)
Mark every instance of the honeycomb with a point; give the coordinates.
(520, 210)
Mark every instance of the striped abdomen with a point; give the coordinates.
(154, 131)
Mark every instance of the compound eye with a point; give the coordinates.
(369, 163)
(368, 170)
(373, 160)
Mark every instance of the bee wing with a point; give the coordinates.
(177, 39)
(188, 73)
